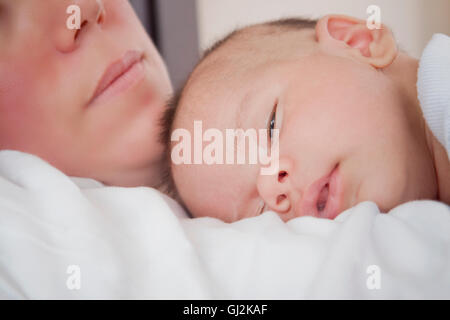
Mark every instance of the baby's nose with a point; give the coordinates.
(277, 190)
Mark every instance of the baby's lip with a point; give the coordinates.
(326, 192)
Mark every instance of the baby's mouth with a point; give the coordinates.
(323, 198)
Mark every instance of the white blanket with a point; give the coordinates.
(74, 238)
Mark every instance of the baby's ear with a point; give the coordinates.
(346, 35)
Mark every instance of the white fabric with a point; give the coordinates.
(433, 87)
(137, 243)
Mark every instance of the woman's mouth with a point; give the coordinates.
(119, 76)
(323, 198)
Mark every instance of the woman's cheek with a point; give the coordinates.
(20, 107)
(119, 13)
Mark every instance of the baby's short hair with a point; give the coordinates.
(170, 114)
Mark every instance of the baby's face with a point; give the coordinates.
(48, 79)
(343, 137)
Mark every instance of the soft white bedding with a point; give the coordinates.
(137, 243)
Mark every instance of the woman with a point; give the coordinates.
(86, 100)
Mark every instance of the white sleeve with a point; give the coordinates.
(433, 87)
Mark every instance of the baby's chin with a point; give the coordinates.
(389, 198)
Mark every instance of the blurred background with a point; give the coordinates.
(182, 29)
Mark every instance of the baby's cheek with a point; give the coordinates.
(386, 183)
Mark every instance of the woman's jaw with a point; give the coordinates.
(45, 91)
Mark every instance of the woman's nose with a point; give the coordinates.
(80, 16)
(277, 190)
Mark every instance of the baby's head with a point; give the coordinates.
(340, 96)
(50, 74)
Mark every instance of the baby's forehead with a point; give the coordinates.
(249, 49)
(262, 41)
(202, 100)
(222, 72)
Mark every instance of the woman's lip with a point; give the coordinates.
(307, 206)
(116, 71)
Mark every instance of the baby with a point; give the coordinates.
(345, 103)
(86, 100)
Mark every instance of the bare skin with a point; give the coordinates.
(346, 107)
(48, 77)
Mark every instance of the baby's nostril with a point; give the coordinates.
(282, 175)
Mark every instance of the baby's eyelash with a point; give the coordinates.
(272, 120)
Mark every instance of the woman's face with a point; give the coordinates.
(88, 101)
